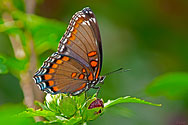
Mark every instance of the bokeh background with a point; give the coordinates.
(150, 37)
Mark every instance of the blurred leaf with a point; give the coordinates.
(19, 4)
(3, 67)
(172, 85)
(127, 99)
(31, 112)
(46, 33)
(10, 89)
(122, 111)
(15, 66)
(8, 112)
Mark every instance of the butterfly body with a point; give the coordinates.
(76, 66)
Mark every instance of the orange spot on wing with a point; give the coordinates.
(97, 74)
(80, 20)
(69, 42)
(72, 37)
(46, 77)
(55, 89)
(73, 74)
(74, 31)
(83, 85)
(76, 25)
(83, 70)
(90, 77)
(92, 53)
(65, 58)
(81, 76)
(54, 66)
(51, 71)
(59, 61)
(51, 83)
(93, 63)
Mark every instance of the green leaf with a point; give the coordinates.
(31, 112)
(70, 121)
(73, 121)
(127, 99)
(172, 85)
(67, 106)
(8, 115)
(3, 67)
(13, 65)
(80, 99)
(37, 103)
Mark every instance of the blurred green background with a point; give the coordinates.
(150, 37)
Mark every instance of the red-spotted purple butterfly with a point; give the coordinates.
(76, 66)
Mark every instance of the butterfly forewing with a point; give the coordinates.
(82, 41)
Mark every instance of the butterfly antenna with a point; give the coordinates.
(117, 71)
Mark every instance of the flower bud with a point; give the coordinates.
(93, 109)
(96, 103)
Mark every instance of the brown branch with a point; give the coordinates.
(36, 94)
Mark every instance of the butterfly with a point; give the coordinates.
(76, 65)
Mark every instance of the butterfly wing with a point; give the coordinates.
(78, 60)
(62, 74)
(83, 42)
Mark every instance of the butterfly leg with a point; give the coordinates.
(98, 88)
(85, 95)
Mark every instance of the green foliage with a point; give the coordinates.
(127, 99)
(3, 67)
(62, 108)
(46, 33)
(7, 115)
(31, 112)
(172, 85)
(70, 105)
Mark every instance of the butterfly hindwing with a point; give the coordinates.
(60, 73)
